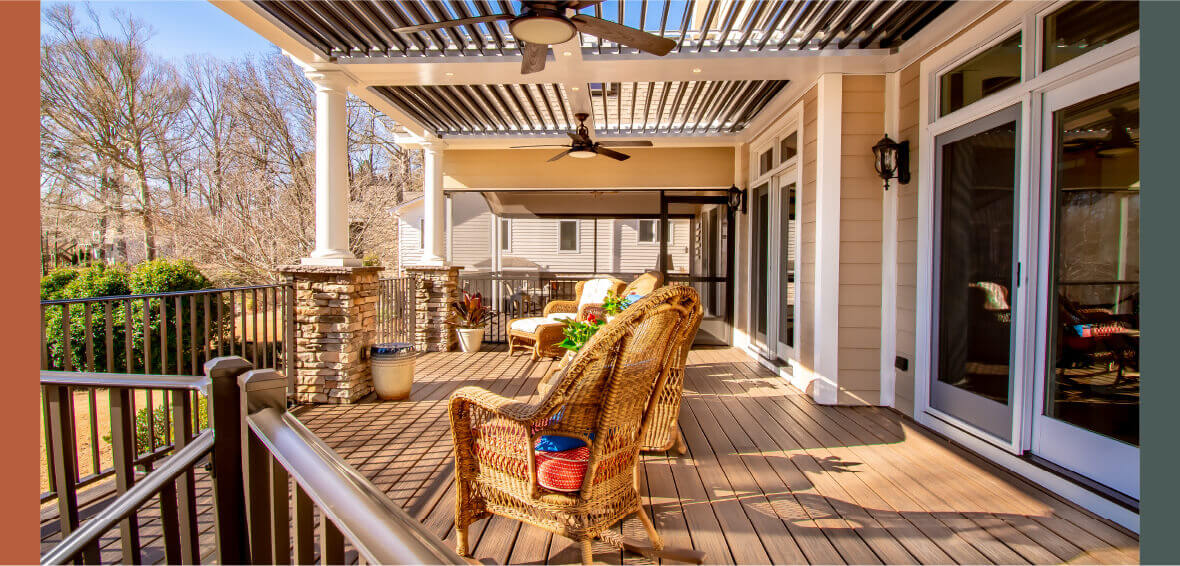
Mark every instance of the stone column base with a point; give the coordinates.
(335, 323)
(435, 287)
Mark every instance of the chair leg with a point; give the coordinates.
(461, 545)
(587, 551)
(656, 540)
(681, 448)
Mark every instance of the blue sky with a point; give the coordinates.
(184, 27)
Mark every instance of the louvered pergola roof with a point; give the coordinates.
(363, 28)
(735, 62)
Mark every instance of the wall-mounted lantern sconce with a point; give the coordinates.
(892, 160)
(737, 199)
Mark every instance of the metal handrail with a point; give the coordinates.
(156, 295)
(127, 380)
(132, 500)
(380, 531)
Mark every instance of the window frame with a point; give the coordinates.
(504, 239)
(577, 236)
(656, 236)
(422, 233)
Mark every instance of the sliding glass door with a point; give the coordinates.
(976, 272)
(1088, 416)
(760, 275)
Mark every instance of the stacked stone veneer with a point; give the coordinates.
(435, 287)
(335, 323)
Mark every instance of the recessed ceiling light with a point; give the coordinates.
(449, 74)
(696, 70)
(566, 53)
(575, 89)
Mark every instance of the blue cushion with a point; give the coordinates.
(556, 443)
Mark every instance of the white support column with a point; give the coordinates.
(331, 170)
(435, 205)
(889, 251)
(829, 135)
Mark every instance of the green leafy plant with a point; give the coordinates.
(469, 312)
(577, 333)
(614, 304)
(158, 426)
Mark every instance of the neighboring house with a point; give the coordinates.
(477, 240)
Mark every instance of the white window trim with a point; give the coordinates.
(422, 234)
(792, 122)
(1028, 17)
(502, 232)
(656, 232)
(577, 237)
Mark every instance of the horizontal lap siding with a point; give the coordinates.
(806, 304)
(907, 241)
(635, 256)
(472, 228)
(863, 117)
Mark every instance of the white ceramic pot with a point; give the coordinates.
(393, 377)
(470, 339)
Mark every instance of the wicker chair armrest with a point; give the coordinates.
(498, 405)
(560, 306)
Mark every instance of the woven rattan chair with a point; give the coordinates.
(542, 334)
(662, 433)
(605, 399)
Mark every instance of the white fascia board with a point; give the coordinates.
(959, 16)
(507, 141)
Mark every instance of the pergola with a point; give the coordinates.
(735, 66)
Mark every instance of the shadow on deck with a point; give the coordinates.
(770, 477)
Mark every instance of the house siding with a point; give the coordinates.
(859, 325)
(807, 225)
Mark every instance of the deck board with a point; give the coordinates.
(769, 477)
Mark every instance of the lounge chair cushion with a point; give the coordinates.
(562, 471)
(594, 291)
(529, 325)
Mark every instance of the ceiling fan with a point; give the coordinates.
(1118, 141)
(583, 148)
(544, 23)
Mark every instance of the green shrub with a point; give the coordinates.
(160, 423)
(55, 281)
(150, 277)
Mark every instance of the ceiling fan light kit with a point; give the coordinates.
(542, 29)
(582, 147)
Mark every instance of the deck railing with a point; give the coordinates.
(157, 334)
(254, 448)
(395, 309)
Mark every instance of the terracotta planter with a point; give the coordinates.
(470, 339)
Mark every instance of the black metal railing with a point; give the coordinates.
(254, 447)
(395, 309)
(165, 334)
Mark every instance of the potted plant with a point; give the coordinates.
(469, 316)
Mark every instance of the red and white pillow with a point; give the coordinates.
(562, 471)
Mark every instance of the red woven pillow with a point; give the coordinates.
(562, 471)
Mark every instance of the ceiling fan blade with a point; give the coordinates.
(533, 57)
(578, 138)
(611, 153)
(628, 36)
(454, 23)
(560, 155)
(541, 145)
(635, 143)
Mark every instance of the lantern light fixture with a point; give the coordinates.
(892, 160)
(737, 199)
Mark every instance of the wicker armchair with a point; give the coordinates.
(662, 433)
(604, 399)
(542, 334)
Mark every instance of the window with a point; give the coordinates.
(649, 233)
(989, 72)
(505, 234)
(421, 233)
(567, 235)
(766, 161)
(788, 147)
(1079, 27)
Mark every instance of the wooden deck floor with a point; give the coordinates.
(770, 477)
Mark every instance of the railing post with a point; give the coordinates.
(123, 448)
(264, 389)
(228, 494)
